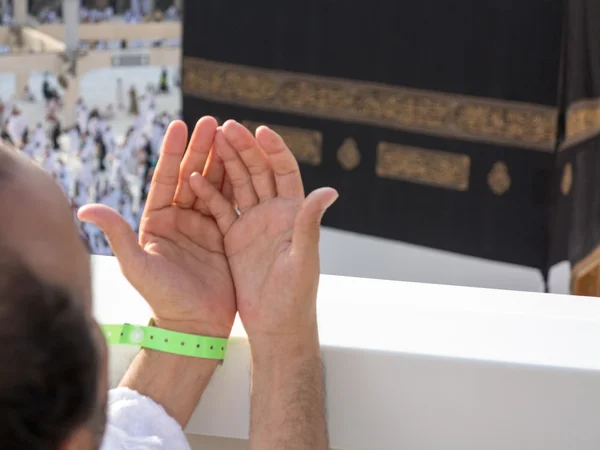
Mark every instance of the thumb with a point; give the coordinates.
(308, 221)
(121, 237)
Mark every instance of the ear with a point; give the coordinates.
(80, 439)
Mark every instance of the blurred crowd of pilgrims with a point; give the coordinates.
(88, 160)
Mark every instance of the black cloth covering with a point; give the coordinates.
(486, 88)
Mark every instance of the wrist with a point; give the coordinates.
(193, 327)
(176, 382)
(277, 350)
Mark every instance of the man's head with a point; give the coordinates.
(53, 381)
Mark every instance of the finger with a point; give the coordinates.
(215, 170)
(121, 237)
(214, 173)
(254, 158)
(166, 175)
(243, 190)
(285, 166)
(227, 191)
(217, 205)
(195, 159)
(308, 221)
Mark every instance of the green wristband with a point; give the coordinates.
(166, 341)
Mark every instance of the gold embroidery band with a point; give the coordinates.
(583, 122)
(588, 266)
(471, 118)
(423, 166)
(306, 145)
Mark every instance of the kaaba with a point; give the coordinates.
(469, 126)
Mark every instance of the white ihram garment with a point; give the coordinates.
(136, 422)
(15, 128)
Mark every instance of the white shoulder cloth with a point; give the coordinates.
(136, 422)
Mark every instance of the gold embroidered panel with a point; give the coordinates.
(348, 155)
(583, 121)
(566, 182)
(423, 166)
(471, 118)
(306, 145)
(499, 179)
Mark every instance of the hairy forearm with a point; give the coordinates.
(288, 406)
(173, 381)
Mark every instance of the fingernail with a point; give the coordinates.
(333, 199)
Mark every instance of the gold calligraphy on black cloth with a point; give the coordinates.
(423, 166)
(471, 118)
(516, 124)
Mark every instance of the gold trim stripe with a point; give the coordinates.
(306, 145)
(471, 118)
(423, 166)
(583, 122)
(591, 262)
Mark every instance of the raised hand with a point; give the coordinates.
(273, 246)
(179, 264)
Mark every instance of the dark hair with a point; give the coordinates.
(49, 361)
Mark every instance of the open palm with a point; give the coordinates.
(272, 246)
(179, 264)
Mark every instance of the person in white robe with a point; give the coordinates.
(29, 150)
(7, 17)
(81, 196)
(166, 120)
(91, 231)
(79, 106)
(74, 141)
(65, 178)
(52, 17)
(89, 148)
(102, 178)
(84, 14)
(146, 7)
(16, 127)
(136, 9)
(93, 126)
(140, 186)
(149, 119)
(101, 245)
(126, 211)
(138, 127)
(116, 174)
(52, 107)
(51, 161)
(112, 198)
(39, 137)
(127, 153)
(108, 137)
(86, 174)
(109, 13)
(28, 95)
(171, 13)
(81, 115)
(157, 136)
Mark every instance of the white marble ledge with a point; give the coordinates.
(419, 366)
